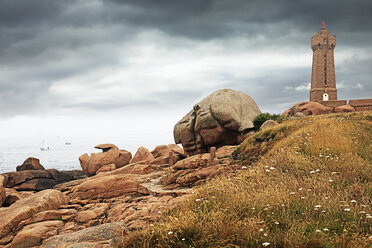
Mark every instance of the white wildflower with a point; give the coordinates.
(317, 170)
(197, 200)
(302, 197)
(170, 233)
(300, 189)
(260, 230)
(312, 172)
(183, 239)
(353, 201)
(265, 244)
(347, 209)
(244, 167)
(272, 168)
(330, 180)
(317, 206)
(362, 212)
(325, 229)
(318, 231)
(292, 193)
(276, 223)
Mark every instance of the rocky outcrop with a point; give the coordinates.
(344, 109)
(106, 235)
(33, 234)
(268, 124)
(25, 208)
(30, 163)
(91, 212)
(106, 147)
(308, 108)
(143, 155)
(106, 186)
(111, 155)
(162, 154)
(2, 191)
(13, 195)
(223, 118)
(35, 180)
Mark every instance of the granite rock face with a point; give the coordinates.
(2, 191)
(308, 108)
(223, 118)
(344, 109)
(27, 207)
(108, 234)
(35, 180)
(30, 163)
(110, 155)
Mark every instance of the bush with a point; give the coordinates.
(261, 118)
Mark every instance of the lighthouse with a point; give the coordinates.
(323, 79)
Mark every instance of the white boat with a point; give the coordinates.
(44, 148)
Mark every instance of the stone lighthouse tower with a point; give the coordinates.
(323, 79)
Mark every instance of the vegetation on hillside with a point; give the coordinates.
(261, 118)
(303, 183)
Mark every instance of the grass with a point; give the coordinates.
(308, 183)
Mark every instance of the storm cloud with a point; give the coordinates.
(85, 58)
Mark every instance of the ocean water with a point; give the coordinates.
(60, 157)
(14, 151)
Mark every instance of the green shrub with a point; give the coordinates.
(261, 118)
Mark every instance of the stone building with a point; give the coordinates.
(323, 78)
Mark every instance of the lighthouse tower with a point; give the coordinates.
(323, 79)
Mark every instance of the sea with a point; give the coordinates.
(62, 156)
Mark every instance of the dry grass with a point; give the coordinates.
(309, 185)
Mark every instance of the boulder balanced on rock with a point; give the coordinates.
(223, 118)
(110, 155)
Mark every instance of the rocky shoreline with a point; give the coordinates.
(49, 208)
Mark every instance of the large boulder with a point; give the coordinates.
(28, 207)
(161, 154)
(308, 108)
(143, 155)
(111, 155)
(30, 163)
(109, 234)
(344, 109)
(268, 124)
(223, 118)
(35, 180)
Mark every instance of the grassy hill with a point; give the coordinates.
(303, 183)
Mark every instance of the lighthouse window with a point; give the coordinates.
(325, 82)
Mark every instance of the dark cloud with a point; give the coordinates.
(48, 49)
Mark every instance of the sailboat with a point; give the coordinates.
(43, 148)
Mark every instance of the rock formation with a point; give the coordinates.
(110, 155)
(267, 124)
(223, 118)
(344, 109)
(315, 108)
(35, 180)
(143, 155)
(2, 191)
(97, 211)
(30, 163)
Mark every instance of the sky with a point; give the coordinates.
(127, 71)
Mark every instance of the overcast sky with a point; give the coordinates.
(104, 68)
